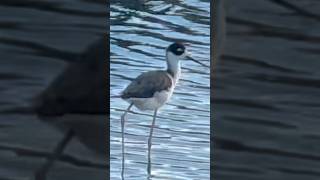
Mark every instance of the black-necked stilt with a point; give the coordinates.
(151, 90)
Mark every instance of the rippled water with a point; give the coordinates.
(138, 38)
(38, 39)
(266, 100)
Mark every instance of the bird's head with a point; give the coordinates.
(177, 51)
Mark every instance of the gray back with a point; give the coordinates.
(145, 85)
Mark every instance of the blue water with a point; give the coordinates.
(139, 36)
(266, 89)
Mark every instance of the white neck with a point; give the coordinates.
(174, 66)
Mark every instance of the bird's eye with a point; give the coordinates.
(179, 49)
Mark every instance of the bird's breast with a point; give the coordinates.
(154, 102)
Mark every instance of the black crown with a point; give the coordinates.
(176, 48)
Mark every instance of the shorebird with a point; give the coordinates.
(76, 103)
(151, 90)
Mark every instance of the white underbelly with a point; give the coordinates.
(155, 102)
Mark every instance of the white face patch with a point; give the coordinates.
(188, 53)
(179, 49)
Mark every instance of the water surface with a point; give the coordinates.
(266, 95)
(38, 39)
(138, 38)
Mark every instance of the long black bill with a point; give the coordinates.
(196, 61)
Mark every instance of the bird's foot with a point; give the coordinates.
(149, 168)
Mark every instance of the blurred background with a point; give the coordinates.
(38, 39)
(266, 97)
(140, 31)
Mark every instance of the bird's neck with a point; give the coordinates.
(174, 67)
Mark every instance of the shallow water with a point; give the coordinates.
(266, 97)
(139, 36)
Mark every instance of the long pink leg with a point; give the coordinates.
(123, 119)
(150, 141)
